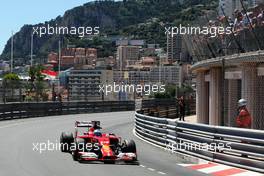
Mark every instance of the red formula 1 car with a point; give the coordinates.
(90, 144)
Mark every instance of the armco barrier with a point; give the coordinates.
(26, 110)
(242, 148)
(167, 108)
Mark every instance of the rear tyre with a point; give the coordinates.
(66, 139)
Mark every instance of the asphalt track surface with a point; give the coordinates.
(17, 157)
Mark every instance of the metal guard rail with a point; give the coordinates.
(237, 147)
(26, 110)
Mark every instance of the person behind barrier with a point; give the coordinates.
(243, 119)
(182, 108)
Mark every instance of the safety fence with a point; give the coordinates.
(167, 108)
(242, 148)
(26, 110)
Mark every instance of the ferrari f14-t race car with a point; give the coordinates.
(88, 143)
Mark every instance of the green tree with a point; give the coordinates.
(171, 91)
(11, 76)
(11, 81)
(37, 84)
(184, 90)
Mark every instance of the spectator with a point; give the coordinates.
(182, 108)
(260, 18)
(54, 96)
(243, 119)
(59, 98)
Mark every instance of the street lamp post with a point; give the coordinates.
(31, 52)
(12, 52)
(223, 92)
(59, 66)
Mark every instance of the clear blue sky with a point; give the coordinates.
(15, 13)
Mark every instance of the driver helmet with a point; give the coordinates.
(242, 102)
(97, 133)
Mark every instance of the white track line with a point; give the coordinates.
(162, 173)
(151, 169)
(186, 165)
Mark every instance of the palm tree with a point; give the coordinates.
(36, 80)
(35, 74)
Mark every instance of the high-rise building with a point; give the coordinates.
(84, 84)
(127, 55)
(174, 74)
(176, 49)
(166, 74)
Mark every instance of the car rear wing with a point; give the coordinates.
(88, 124)
(83, 124)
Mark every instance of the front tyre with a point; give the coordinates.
(109, 162)
(80, 146)
(129, 147)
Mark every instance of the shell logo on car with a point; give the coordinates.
(106, 148)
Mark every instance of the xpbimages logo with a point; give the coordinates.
(65, 30)
(146, 89)
(211, 31)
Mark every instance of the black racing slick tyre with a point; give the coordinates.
(109, 162)
(80, 146)
(130, 147)
(66, 139)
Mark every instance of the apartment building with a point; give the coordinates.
(71, 57)
(165, 74)
(176, 49)
(127, 55)
(84, 84)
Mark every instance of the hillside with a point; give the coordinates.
(137, 19)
